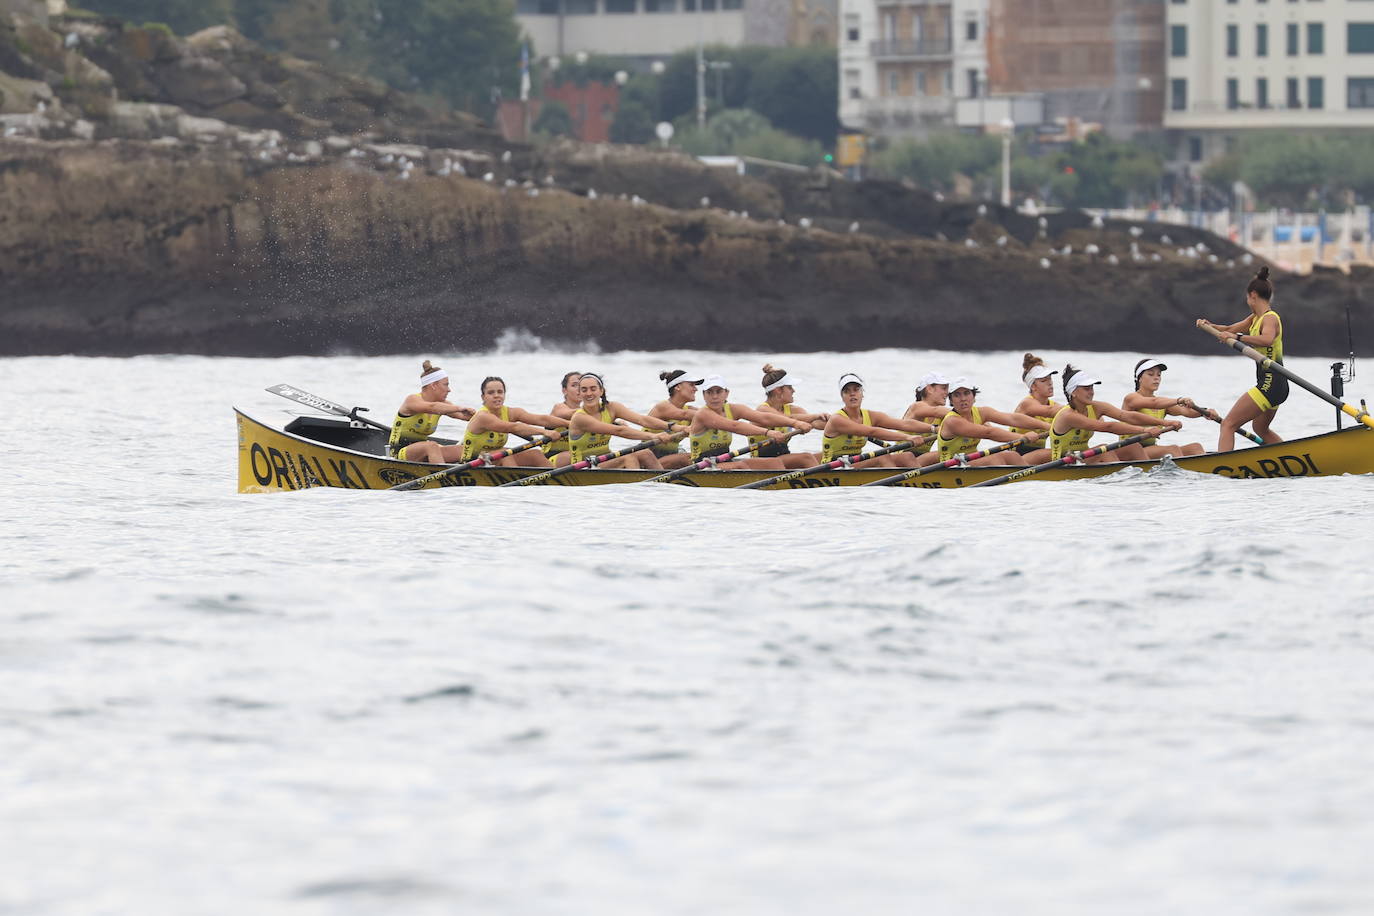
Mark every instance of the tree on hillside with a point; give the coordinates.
(182, 16)
(632, 124)
(554, 120)
(798, 90)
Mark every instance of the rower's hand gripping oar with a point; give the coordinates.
(844, 461)
(1360, 416)
(1212, 415)
(959, 460)
(484, 461)
(1071, 458)
(589, 462)
(705, 463)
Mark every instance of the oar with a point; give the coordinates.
(954, 462)
(292, 393)
(1071, 458)
(1206, 412)
(705, 463)
(474, 463)
(587, 462)
(1360, 416)
(843, 461)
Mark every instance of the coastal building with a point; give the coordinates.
(655, 29)
(904, 63)
(1092, 62)
(1234, 67)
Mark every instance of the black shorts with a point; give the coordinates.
(1025, 448)
(774, 450)
(1271, 389)
(712, 452)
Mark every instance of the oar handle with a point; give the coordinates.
(1210, 414)
(841, 462)
(1071, 458)
(1265, 362)
(586, 463)
(705, 463)
(954, 462)
(420, 482)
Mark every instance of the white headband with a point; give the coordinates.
(780, 383)
(429, 378)
(1036, 373)
(1080, 379)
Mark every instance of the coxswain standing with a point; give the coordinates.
(1263, 331)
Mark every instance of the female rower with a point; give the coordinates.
(965, 424)
(593, 424)
(1263, 331)
(1145, 399)
(572, 399)
(418, 417)
(932, 399)
(714, 425)
(1074, 424)
(493, 422)
(1039, 381)
(848, 429)
(779, 389)
(677, 412)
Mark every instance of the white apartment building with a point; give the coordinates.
(905, 63)
(1238, 65)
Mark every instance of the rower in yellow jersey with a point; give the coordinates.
(1263, 331)
(779, 388)
(931, 405)
(1039, 403)
(1146, 400)
(848, 429)
(966, 424)
(418, 417)
(1074, 424)
(493, 422)
(714, 426)
(557, 451)
(593, 425)
(677, 411)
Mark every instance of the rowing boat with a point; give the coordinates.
(313, 451)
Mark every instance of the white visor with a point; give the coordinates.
(931, 378)
(429, 378)
(849, 378)
(1036, 373)
(685, 377)
(1148, 365)
(1080, 379)
(963, 382)
(713, 381)
(782, 383)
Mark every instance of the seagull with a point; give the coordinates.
(1136, 232)
(1097, 222)
(1091, 249)
(970, 243)
(1113, 260)
(941, 237)
(356, 153)
(458, 167)
(1045, 263)
(510, 182)
(591, 193)
(782, 222)
(939, 196)
(705, 202)
(404, 175)
(1001, 241)
(1247, 259)
(403, 162)
(804, 222)
(42, 107)
(489, 176)
(533, 192)
(732, 214)
(548, 181)
(385, 160)
(854, 227)
(744, 214)
(1156, 257)
(1200, 246)
(1230, 262)
(636, 200)
(1165, 240)
(1068, 250)
(505, 157)
(72, 40)
(1212, 259)
(445, 171)
(982, 209)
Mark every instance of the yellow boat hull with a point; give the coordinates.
(335, 453)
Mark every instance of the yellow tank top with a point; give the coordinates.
(763, 440)
(833, 447)
(1160, 412)
(1026, 432)
(1075, 440)
(414, 428)
(712, 439)
(475, 444)
(553, 448)
(588, 444)
(961, 445)
(1275, 350)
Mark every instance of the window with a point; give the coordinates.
(1292, 33)
(851, 27)
(1359, 37)
(1232, 40)
(1359, 92)
(1178, 95)
(578, 7)
(1195, 149)
(1292, 100)
(972, 75)
(1261, 40)
(1316, 92)
(920, 82)
(1178, 41)
(660, 6)
(852, 80)
(971, 30)
(1261, 93)
(1232, 94)
(620, 6)
(894, 83)
(1315, 38)
(732, 4)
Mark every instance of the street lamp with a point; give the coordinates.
(1008, 131)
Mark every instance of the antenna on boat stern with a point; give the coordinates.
(1344, 372)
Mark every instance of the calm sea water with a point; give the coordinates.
(1147, 694)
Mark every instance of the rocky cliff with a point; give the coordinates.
(202, 196)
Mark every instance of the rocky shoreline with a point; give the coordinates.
(338, 217)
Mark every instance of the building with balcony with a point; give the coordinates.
(905, 63)
(1242, 65)
(1091, 61)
